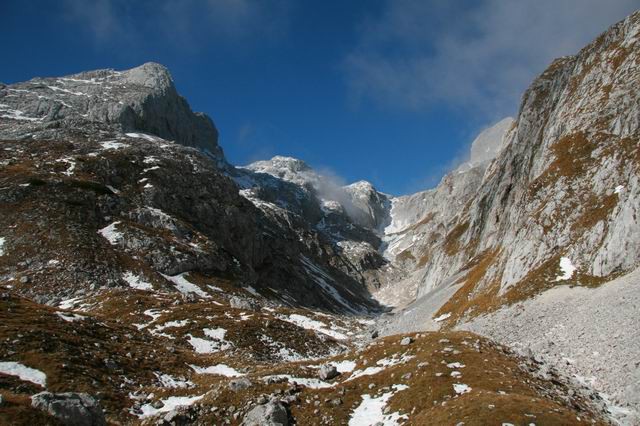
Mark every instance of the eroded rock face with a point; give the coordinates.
(73, 409)
(142, 99)
(564, 185)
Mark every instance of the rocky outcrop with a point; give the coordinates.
(142, 99)
(73, 409)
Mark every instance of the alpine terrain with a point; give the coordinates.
(146, 280)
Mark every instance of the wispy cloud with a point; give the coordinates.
(105, 19)
(188, 23)
(479, 57)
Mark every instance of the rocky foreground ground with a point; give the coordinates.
(137, 357)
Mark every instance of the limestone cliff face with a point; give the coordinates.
(565, 185)
(141, 99)
(419, 223)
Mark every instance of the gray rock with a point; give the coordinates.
(240, 384)
(328, 372)
(406, 341)
(270, 414)
(72, 409)
(241, 303)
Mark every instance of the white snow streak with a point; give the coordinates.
(23, 372)
(70, 317)
(169, 404)
(442, 317)
(111, 233)
(184, 286)
(220, 370)
(567, 269)
(310, 324)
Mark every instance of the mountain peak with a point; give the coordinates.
(141, 99)
(149, 74)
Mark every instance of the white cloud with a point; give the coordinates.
(100, 17)
(420, 54)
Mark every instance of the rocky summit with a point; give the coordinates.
(146, 280)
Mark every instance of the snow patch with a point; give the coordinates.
(371, 410)
(344, 366)
(186, 287)
(69, 303)
(169, 404)
(204, 346)
(310, 383)
(220, 370)
(442, 317)
(25, 373)
(215, 333)
(111, 233)
(311, 324)
(461, 388)
(70, 317)
(567, 269)
(2, 241)
(135, 281)
(381, 365)
(16, 115)
(168, 381)
(145, 136)
(113, 145)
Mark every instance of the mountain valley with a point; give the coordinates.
(146, 280)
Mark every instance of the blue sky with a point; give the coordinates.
(391, 91)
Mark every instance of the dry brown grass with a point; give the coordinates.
(68, 354)
(572, 158)
(596, 210)
(452, 240)
(473, 298)
(489, 370)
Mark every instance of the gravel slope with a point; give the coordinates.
(590, 334)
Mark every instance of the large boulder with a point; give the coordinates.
(328, 372)
(270, 414)
(72, 409)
